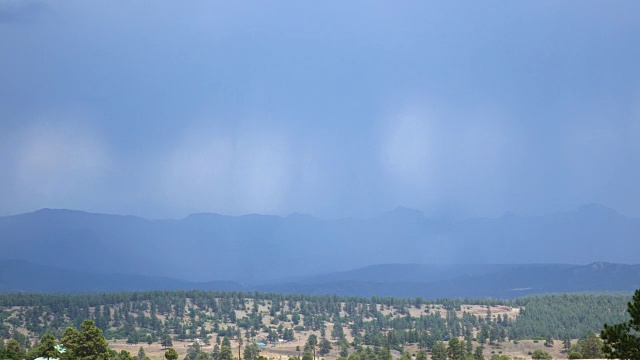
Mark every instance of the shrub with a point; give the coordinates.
(541, 355)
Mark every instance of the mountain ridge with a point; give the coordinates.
(585, 208)
(267, 248)
(502, 281)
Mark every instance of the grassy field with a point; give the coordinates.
(522, 349)
(281, 351)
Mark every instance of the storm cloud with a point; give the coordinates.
(333, 109)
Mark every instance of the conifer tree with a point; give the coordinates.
(166, 341)
(225, 353)
(86, 344)
(324, 347)
(478, 355)
(171, 354)
(439, 351)
(251, 352)
(216, 352)
(46, 347)
(622, 341)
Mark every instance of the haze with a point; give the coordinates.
(333, 109)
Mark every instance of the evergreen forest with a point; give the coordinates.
(339, 326)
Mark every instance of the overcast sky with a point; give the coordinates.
(332, 108)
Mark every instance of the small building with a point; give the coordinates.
(261, 344)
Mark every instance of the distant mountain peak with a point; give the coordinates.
(406, 212)
(58, 211)
(297, 215)
(602, 265)
(202, 215)
(594, 209)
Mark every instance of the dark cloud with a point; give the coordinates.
(331, 109)
(15, 11)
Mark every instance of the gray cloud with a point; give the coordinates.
(15, 11)
(344, 109)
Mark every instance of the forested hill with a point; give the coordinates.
(470, 281)
(25, 277)
(427, 281)
(262, 249)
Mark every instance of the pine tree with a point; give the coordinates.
(590, 347)
(203, 356)
(478, 355)
(122, 355)
(622, 341)
(88, 344)
(312, 340)
(193, 351)
(324, 347)
(549, 341)
(166, 341)
(307, 355)
(344, 351)
(12, 350)
(46, 347)
(171, 354)
(225, 353)
(456, 349)
(251, 352)
(469, 346)
(439, 351)
(337, 332)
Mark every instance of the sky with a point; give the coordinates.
(335, 109)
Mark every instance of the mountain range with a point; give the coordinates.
(288, 253)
